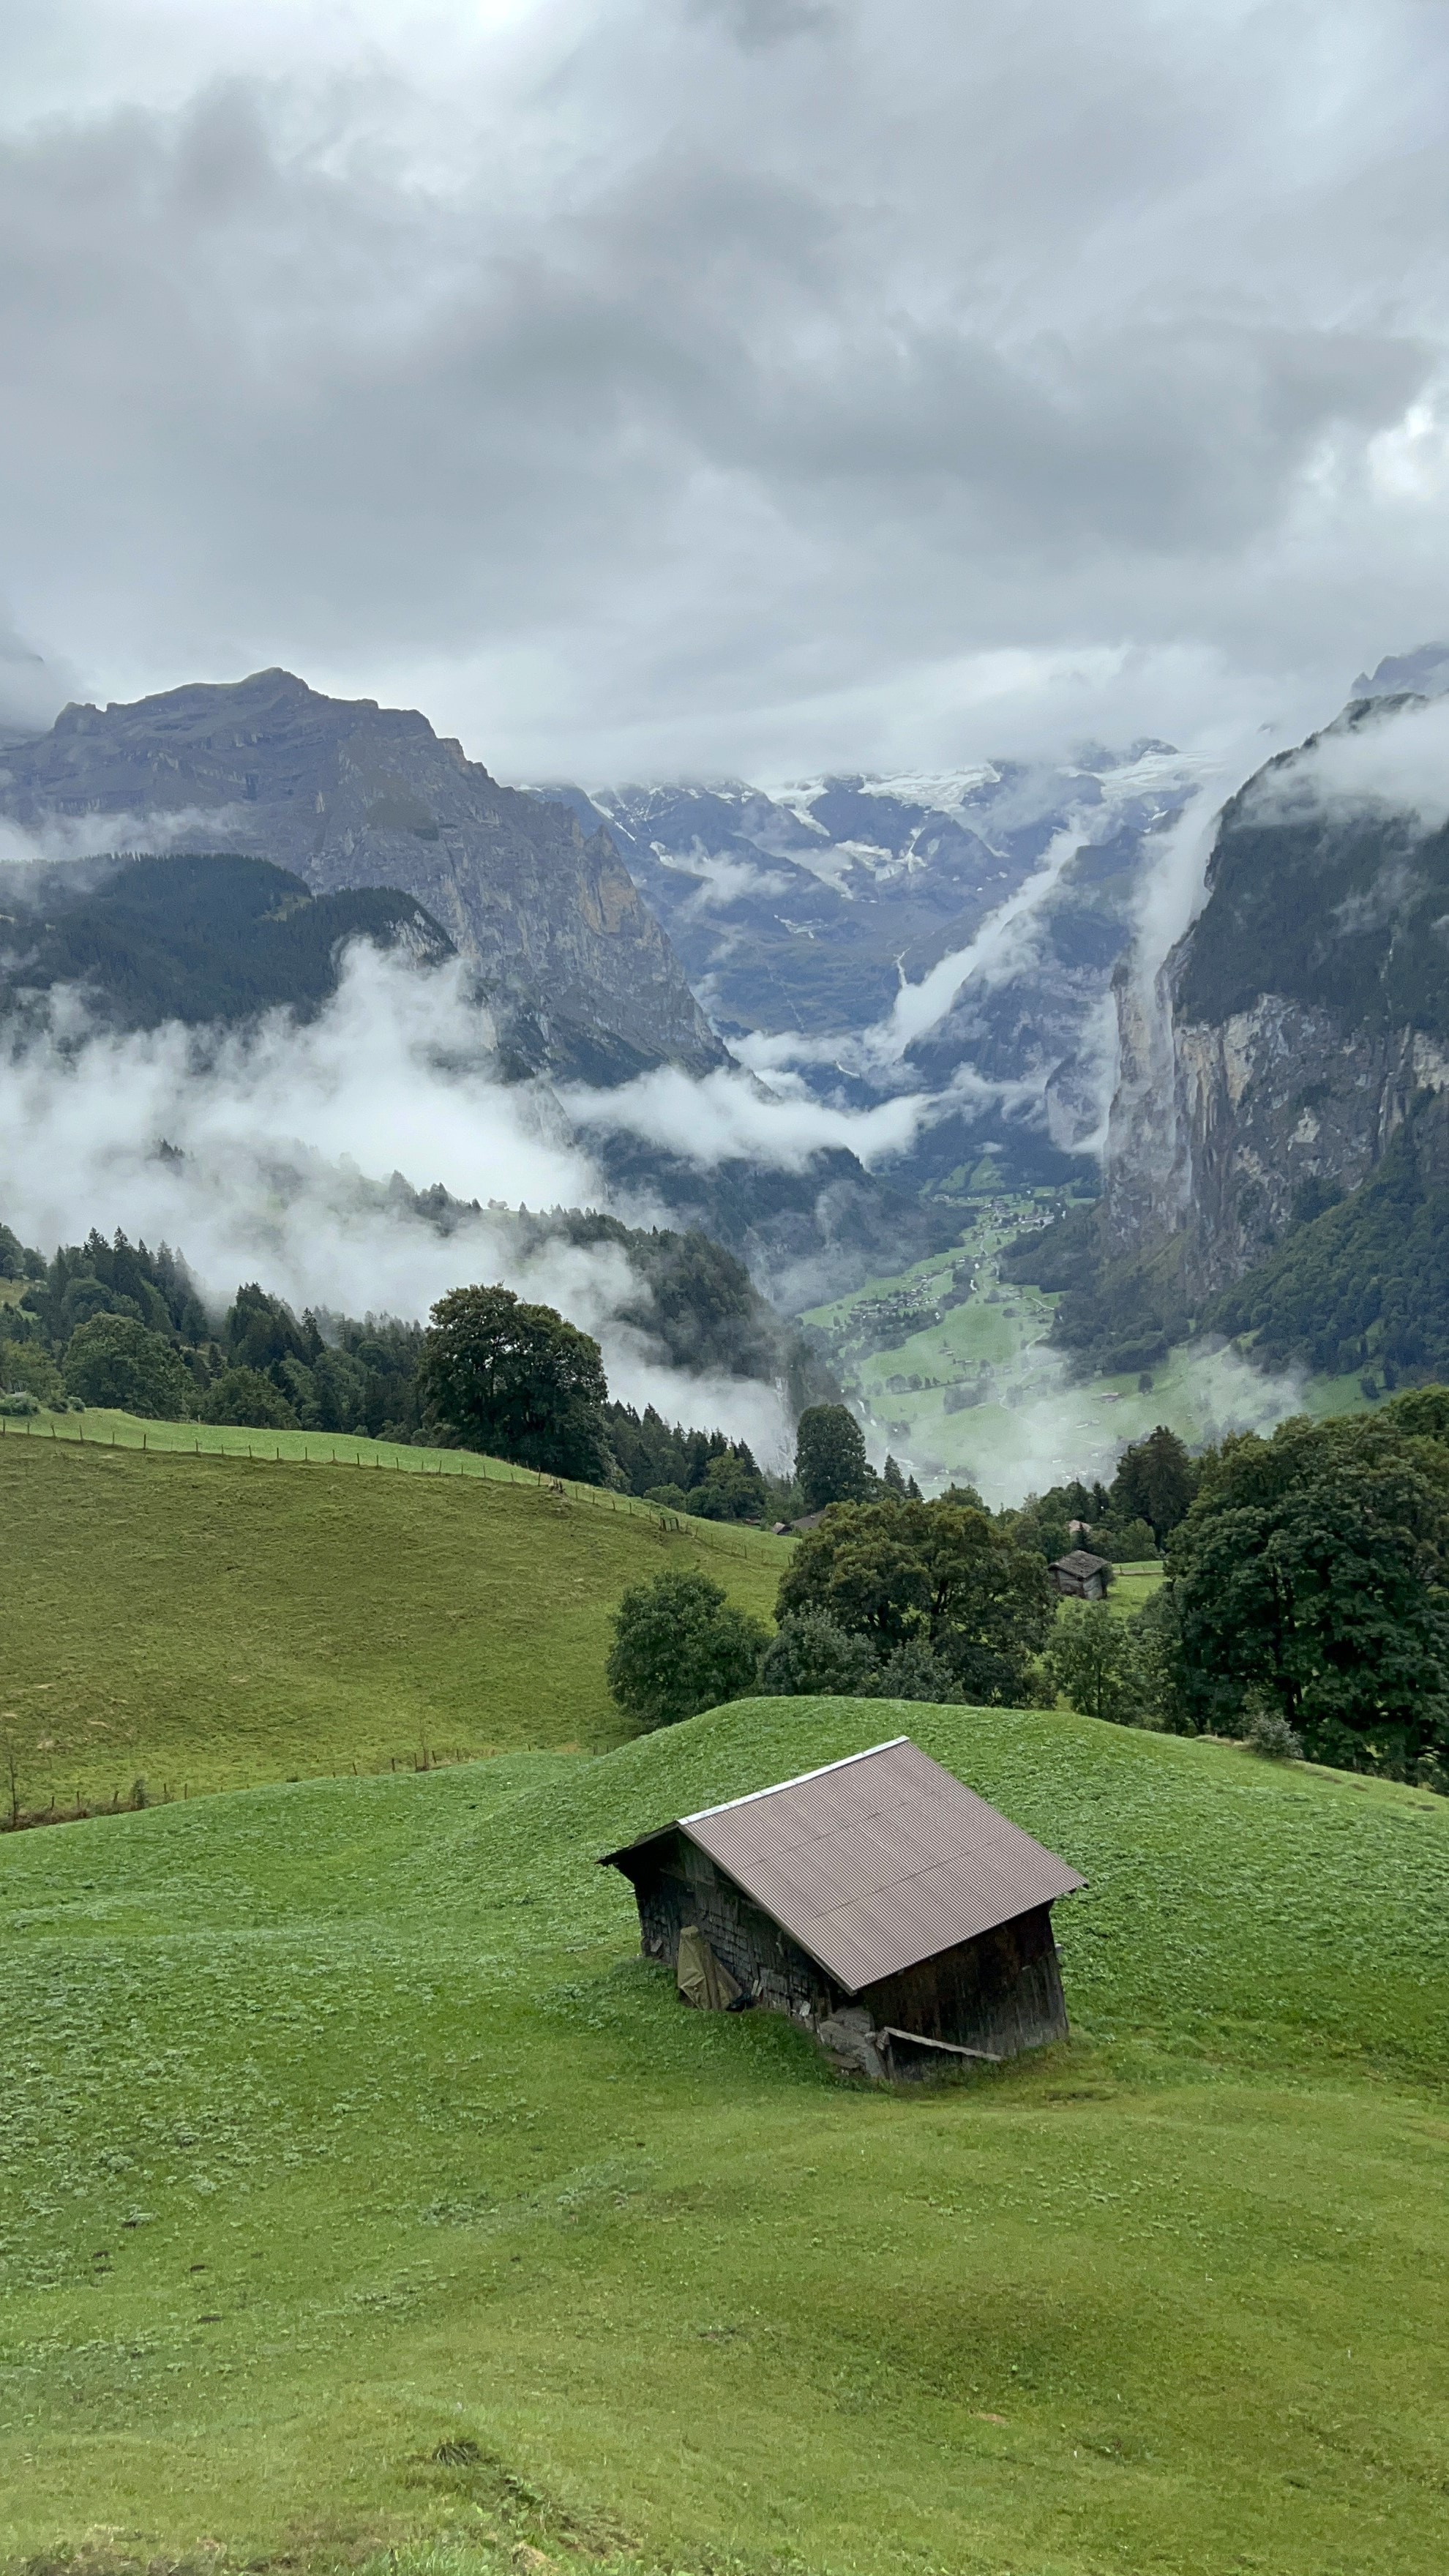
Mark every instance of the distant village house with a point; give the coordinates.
(877, 1901)
(1081, 1576)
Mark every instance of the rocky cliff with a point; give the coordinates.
(574, 968)
(1283, 1043)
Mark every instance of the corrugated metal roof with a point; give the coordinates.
(877, 1862)
(1081, 1561)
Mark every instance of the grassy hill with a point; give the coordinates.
(205, 1621)
(366, 2193)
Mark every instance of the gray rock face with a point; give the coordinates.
(1287, 1036)
(577, 972)
(1217, 1142)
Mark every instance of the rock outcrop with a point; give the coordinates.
(1283, 1042)
(576, 971)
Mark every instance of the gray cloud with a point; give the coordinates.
(729, 384)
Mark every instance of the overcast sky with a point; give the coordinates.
(647, 387)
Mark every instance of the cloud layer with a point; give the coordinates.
(656, 385)
(282, 1142)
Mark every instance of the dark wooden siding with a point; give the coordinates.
(677, 1883)
(1001, 1992)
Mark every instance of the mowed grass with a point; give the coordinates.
(205, 1622)
(366, 2192)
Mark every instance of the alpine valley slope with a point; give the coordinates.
(1282, 1109)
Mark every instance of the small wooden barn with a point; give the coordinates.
(1082, 1576)
(900, 1917)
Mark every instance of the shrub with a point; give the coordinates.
(26, 1369)
(916, 1671)
(21, 1402)
(1092, 1658)
(670, 1498)
(811, 1656)
(1124, 1542)
(680, 1645)
(1268, 1732)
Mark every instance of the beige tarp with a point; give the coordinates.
(704, 1980)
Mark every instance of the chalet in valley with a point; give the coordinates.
(897, 1915)
(1082, 1576)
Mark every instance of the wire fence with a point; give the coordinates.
(343, 1449)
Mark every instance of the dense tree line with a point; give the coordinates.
(893, 1598)
(1305, 1607)
(1129, 1519)
(113, 1324)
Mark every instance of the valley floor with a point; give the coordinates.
(366, 2193)
(967, 1386)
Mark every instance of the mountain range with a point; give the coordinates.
(805, 912)
(574, 972)
(970, 935)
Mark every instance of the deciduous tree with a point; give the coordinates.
(516, 1381)
(114, 1360)
(943, 1572)
(681, 1645)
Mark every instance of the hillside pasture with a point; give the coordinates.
(206, 1621)
(368, 2195)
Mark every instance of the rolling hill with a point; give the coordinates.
(370, 2202)
(206, 1621)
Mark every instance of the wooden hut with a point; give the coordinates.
(900, 1917)
(1082, 1576)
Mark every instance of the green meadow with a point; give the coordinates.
(203, 1621)
(368, 2200)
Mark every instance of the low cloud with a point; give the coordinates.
(731, 1116)
(268, 1154)
(1391, 760)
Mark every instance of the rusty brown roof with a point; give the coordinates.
(877, 1862)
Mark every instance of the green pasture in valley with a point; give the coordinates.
(204, 1621)
(367, 2199)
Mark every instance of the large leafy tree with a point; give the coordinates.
(1311, 1568)
(114, 1360)
(942, 1573)
(830, 1461)
(1155, 1482)
(681, 1645)
(1093, 1660)
(516, 1381)
(244, 1396)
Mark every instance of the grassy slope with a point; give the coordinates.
(343, 2123)
(208, 1623)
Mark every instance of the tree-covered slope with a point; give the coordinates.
(200, 938)
(1365, 1284)
(1329, 902)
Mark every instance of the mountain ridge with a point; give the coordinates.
(578, 975)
